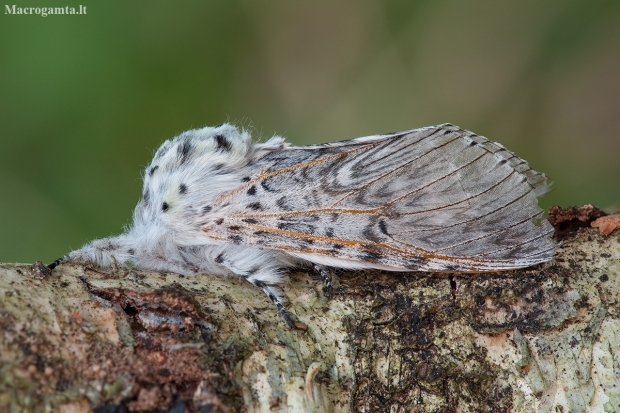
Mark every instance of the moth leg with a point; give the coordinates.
(274, 299)
(326, 277)
(56, 263)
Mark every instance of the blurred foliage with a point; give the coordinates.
(84, 100)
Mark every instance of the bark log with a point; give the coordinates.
(541, 339)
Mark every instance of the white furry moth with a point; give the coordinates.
(438, 198)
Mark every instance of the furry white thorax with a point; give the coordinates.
(185, 175)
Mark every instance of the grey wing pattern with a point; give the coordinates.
(436, 198)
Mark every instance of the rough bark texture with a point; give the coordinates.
(541, 339)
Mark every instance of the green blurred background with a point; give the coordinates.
(84, 100)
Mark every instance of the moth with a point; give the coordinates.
(438, 198)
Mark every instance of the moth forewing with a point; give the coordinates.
(437, 198)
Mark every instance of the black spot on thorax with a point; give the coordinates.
(222, 169)
(165, 206)
(182, 189)
(184, 151)
(252, 190)
(222, 144)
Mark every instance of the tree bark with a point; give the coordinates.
(541, 339)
